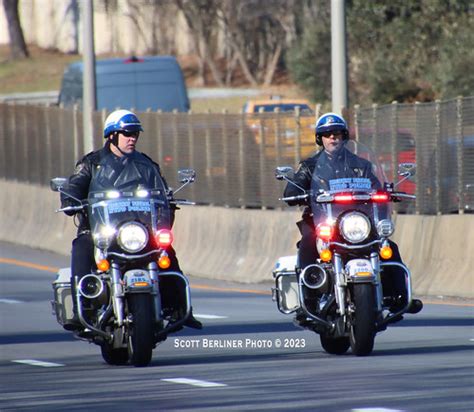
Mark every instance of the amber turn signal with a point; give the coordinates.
(164, 262)
(103, 265)
(325, 255)
(386, 252)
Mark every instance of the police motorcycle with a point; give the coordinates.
(131, 302)
(341, 296)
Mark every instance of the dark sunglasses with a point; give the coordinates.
(336, 133)
(131, 134)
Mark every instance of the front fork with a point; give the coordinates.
(153, 271)
(117, 293)
(341, 284)
(375, 261)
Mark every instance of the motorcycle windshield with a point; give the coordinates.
(348, 181)
(108, 210)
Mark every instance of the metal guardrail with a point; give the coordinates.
(235, 154)
(47, 98)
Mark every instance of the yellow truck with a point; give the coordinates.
(283, 128)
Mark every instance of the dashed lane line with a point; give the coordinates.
(34, 362)
(194, 382)
(10, 301)
(203, 316)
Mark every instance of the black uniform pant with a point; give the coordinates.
(393, 277)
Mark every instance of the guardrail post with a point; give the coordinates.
(373, 142)
(226, 160)
(417, 160)
(75, 132)
(297, 135)
(48, 162)
(277, 135)
(437, 138)
(191, 144)
(317, 113)
(460, 154)
(175, 142)
(356, 122)
(159, 136)
(262, 161)
(209, 163)
(393, 141)
(3, 141)
(241, 160)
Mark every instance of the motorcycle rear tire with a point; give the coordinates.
(140, 334)
(114, 356)
(335, 346)
(363, 322)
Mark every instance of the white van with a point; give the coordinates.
(153, 82)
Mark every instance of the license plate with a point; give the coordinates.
(359, 268)
(137, 278)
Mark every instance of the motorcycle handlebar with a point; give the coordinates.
(294, 198)
(403, 195)
(182, 202)
(71, 208)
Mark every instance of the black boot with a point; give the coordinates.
(399, 303)
(415, 306)
(192, 322)
(73, 324)
(301, 319)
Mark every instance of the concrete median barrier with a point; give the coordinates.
(243, 245)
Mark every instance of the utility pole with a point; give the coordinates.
(338, 56)
(89, 90)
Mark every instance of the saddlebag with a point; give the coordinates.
(285, 292)
(62, 304)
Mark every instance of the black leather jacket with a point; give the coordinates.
(344, 164)
(102, 170)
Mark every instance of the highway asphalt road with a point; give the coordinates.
(247, 357)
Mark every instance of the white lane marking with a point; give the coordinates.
(199, 315)
(375, 410)
(10, 301)
(34, 362)
(194, 382)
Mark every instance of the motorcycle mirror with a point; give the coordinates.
(407, 170)
(57, 183)
(186, 175)
(282, 172)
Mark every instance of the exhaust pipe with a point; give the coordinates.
(91, 286)
(314, 276)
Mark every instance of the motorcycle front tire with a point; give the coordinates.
(335, 346)
(363, 322)
(140, 335)
(114, 356)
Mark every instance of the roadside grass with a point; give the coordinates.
(44, 69)
(41, 72)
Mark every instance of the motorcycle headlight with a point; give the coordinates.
(132, 237)
(385, 228)
(355, 227)
(103, 237)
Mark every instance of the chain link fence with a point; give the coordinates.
(235, 155)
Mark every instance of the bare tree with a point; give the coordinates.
(200, 16)
(18, 49)
(258, 33)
